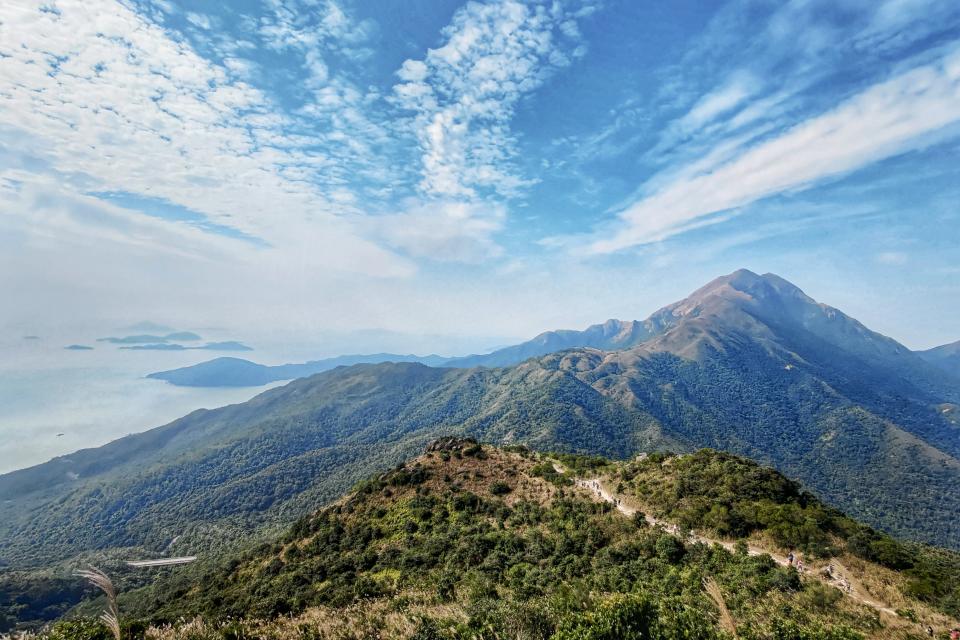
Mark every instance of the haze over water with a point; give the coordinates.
(95, 396)
(91, 397)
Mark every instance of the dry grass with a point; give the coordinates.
(369, 620)
(726, 620)
(111, 615)
(888, 586)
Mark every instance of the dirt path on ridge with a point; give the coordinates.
(842, 578)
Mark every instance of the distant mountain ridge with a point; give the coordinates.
(608, 336)
(747, 364)
(769, 296)
(237, 372)
(945, 357)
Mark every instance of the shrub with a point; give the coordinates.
(669, 549)
(820, 596)
(83, 629)
(636, 617)
(621, 618)
(500, 488)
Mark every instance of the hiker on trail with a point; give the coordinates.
(830, 570)
(799, 565)
(955, 634)
(790, 559)
(929, 631)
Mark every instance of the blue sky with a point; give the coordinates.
(483, 168)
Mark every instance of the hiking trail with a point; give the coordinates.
(842, 578)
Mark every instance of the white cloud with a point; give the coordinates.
(413, 71)
(889, 118)
(464, 93)
(463, 96)
(444, 231)
(317, 30)
(892, 258)
(719, 101)
(198, 20)
(106, 100)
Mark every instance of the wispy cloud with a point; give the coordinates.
(887, 119)
(316, 30)
(892, 258)
(801, 57)
(722, 100)
(118, 105)
(464, 94)
(444, 231)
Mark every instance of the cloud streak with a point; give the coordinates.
(889, 118)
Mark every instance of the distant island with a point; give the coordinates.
(229, 345)
(180, 336)
(170, 341)
(236, 372)
(78, 347)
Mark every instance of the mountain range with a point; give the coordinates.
(747, 364)
(237, 372)
(612, 335)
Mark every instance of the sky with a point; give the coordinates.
(303, 169)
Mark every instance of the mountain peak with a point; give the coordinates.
(759, 287)
(770, 309)
(741, 275)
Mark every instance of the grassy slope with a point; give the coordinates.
(470, 541)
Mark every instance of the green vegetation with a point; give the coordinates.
(437, 549)
(27, 597)
(758, 370)
(292, 449)
(736, 498)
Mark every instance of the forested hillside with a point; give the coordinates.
(236, 372)
(470, 541)
(748, 365)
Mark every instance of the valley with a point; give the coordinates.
(748, 364)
